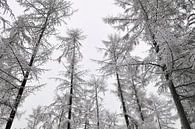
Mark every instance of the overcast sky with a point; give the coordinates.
(89, 19)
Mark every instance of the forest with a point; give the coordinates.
(156, 91)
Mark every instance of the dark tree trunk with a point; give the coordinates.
(17, 101)
(122, 101)
(71, 88)
(86, 122)
(178, 104)
(138, 103)
(24, 81)
(70, 105)
(97, 108)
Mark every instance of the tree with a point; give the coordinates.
(135, 80)
(30, 31)
(71, 51)
(110, 120)
(162, 25)
(34, 119)
(162, 112)
(4, 7)
(70, 92)
(113, 53)
(98, 86)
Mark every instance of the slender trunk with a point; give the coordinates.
(158, 119)
(71, 88)
(179, 106)
(60, 119)
(86, 122)
(97, 108)
(121, 94)
(122, 101)
(24, 81)
(138, 103)
(85, 127)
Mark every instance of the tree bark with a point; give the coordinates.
(138, 103)
(121, 93)
(122, 101)
(86, 122)
(179, 106)
(97, 107)
(24, 81)
(71, 88)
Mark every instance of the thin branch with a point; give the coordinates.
(23, 73)
(187, 84)
(144, 63)
(6, 104)
(9, 83)
(187, 97)
(10, 75)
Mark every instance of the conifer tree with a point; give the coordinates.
(162, 25)
(27, 41)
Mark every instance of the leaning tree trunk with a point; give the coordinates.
(179, 106)
(122, 101)
(24, 81)
(121, 94)
(71, 89)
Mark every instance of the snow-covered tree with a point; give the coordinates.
(135, 81)
(162, 24)
(26, 46)
(34, 118)
(66, 110)
(111, 65)
(71, 52)
(110, 120)
(97, 87)
(6, 10)
(162, 112)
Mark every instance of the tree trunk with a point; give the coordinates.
(24, 81)
(86, 122)
(60, 119)
(138, 103)
(122, 101)
(121, 93)
(97, 107)
(71, 88)
(158, 119)
(171, 86)
(179, 106)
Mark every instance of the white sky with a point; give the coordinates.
(89, 19)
